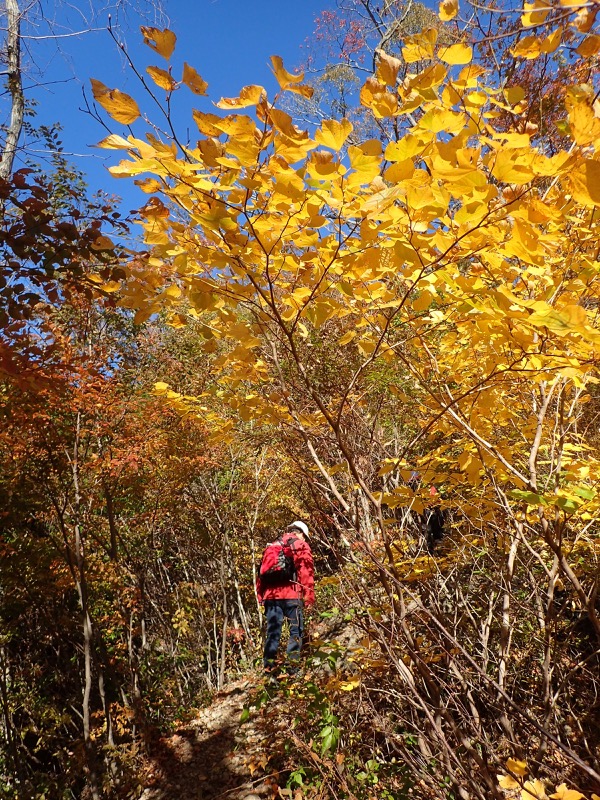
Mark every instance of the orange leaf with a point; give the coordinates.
(589, 46)
(584, 19)
(102, 243)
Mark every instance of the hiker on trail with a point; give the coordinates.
(433, 519)
(285, 583)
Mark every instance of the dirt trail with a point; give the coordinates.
(218, 756)
(215, 756)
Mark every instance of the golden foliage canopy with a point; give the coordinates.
(461, 254)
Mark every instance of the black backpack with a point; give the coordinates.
(277, 566)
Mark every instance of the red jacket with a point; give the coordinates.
(302, 588)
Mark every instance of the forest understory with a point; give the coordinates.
(365, 296)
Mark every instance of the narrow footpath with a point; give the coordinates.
(214, 756)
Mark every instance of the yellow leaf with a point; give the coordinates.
(160, 387)
(381, 102)
(366, 164)
(422, 302)
(177, 321)
(111, 286)
(464, 460)
(162, 42)
(319, 312)
(419, 47)
(440, 119)
(551, 42)
(583, 122)
(448, 10)
(114, 142)
(142, 314)
(349, 686)
(589, 47)
(456, 54)
(529, 47)
(208, 124)
(288, 81)
(585, 182)
(333, 134)
(562, 793)
(533, 789)
(347, 337)
(149, 185)
(119, 105)
(511, 166)
(102, 243)
(193, 80)
(173, 291)
(399, 171)
(535, 13)
(284, 78)
(387, 68)
(514, 94)
(507, 782)
(517, 767)
(161, 78)
(284, 124)
(249, 96)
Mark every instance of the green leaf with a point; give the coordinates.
(330, 735)
(531, 498)
(567, 504)
(584, 491)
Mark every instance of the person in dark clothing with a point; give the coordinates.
(433, 519)
(285, 599)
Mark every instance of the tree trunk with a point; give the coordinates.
(15, 87)
(86, 619)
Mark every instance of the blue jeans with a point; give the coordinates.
(276, 611)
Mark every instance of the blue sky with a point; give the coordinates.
(229, 42)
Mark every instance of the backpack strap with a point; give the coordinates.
(290, 543)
